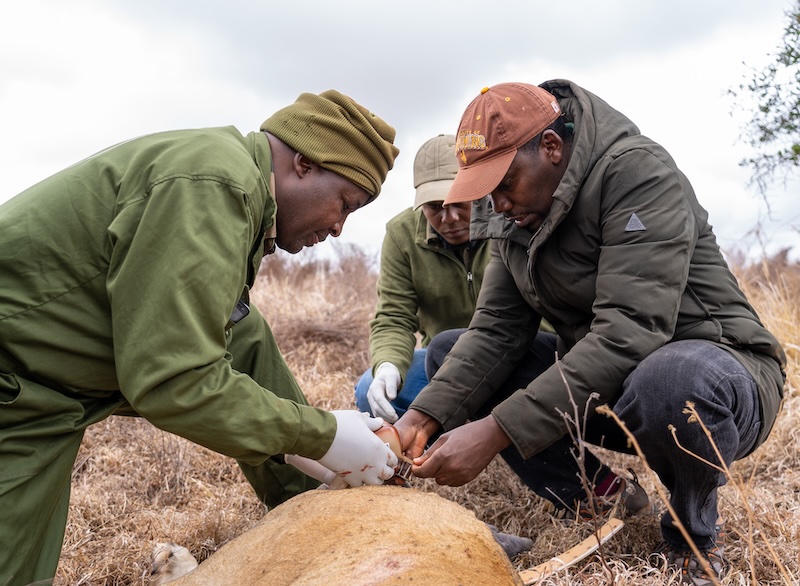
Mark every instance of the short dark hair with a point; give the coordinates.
(561, 126)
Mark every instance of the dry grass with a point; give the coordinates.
(135, 485)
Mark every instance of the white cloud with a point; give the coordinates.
(77, 77)
(82, 78)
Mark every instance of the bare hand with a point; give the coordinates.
(415, 429)
(458, 456)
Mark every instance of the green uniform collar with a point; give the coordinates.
(262, 155)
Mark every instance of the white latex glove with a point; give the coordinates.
(357, 454)
(384, 389)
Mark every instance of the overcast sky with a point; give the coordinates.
(78, 76)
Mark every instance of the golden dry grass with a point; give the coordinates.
(135, 485)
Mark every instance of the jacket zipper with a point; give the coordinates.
(468, 265)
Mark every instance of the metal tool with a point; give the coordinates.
(388, 433)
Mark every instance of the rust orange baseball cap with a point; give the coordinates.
(495, 124)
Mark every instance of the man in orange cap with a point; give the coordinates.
(605, 239)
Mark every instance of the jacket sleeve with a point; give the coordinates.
(499, 335)
(177, 270)
(393, 329)
(641, 275)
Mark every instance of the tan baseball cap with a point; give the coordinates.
(495, 124)
(435, 168)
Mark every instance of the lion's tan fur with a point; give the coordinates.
(373, 535)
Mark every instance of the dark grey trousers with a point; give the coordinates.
(651, 400)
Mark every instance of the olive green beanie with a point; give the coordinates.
(338, 134)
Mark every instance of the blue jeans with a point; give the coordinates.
(651, 400)
(413, 384)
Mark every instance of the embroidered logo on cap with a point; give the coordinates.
(470, 140)
(634, 224)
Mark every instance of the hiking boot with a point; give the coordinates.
(722, 534)
(689, 568)
(624, 498)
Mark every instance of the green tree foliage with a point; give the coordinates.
(774, 129)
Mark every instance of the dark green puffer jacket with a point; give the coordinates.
(613, 292)
(423, 287)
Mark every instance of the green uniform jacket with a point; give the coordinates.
(423, 287)
(118, 277)
(614, 292)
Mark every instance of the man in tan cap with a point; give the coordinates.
(429, 280)
(605, 239)
(124, 290)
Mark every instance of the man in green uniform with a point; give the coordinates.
(430, 276)
(605, 239)
(124, 289)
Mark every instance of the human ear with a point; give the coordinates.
(301, 164)
(552, 146)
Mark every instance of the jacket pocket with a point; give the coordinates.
(9, 388)
(695, 321)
